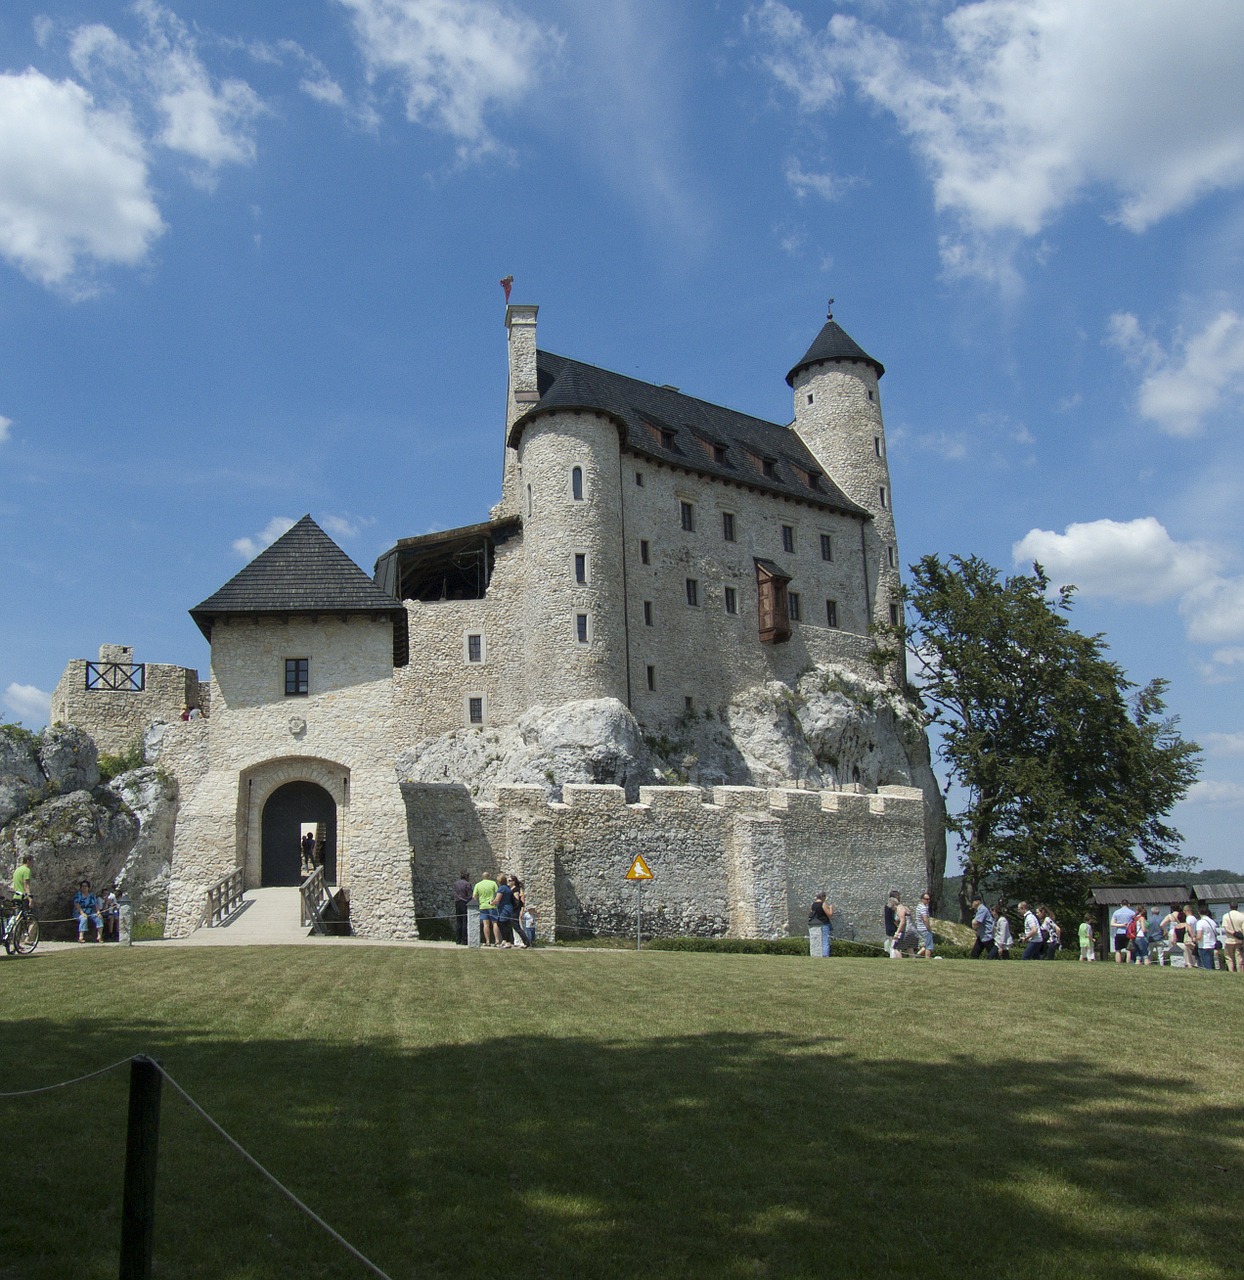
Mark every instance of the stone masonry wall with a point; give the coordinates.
(117, 719)
(746, 864)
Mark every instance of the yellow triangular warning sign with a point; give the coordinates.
(639, 869)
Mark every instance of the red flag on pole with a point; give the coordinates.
(507, 284)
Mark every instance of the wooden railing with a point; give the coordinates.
(314, 897)
(224, 898)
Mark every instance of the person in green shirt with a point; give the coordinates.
(21, 877)
(485, 893)
(1087, 949)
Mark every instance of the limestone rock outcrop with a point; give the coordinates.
(144, 873)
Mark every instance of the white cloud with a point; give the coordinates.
(826, 185)
(73, 183)
(211, 121)
(1018, 108)
(251, 547)
(1215, 611)
(1208, 791)
(456, 60)
(5, 424)
(1182, 387)
(1134, 560)
(1222, 744)
(28, 703)
(340, 526)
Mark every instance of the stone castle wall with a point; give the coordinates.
(116, 719)
(746, 864)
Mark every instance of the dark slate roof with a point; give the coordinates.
(303, 572)
(647, 416)
(834, 343)
(1149, 894)
(1219, 892)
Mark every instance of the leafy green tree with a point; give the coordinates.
(1066, 771)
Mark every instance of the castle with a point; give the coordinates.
(650, 551)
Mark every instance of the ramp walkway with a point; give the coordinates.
(267, 917)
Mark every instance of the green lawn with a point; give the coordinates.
(612, 1114)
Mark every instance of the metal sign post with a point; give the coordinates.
(639, 873)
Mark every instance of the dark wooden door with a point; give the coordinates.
(288, 807)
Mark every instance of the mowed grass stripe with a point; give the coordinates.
(618, 1114)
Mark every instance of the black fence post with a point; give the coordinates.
(141, 1143)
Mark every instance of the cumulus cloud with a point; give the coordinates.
(211, 121)
(28, 703)
(1181, 387)
(1208, 791)
(1137, 561)
(1222, 744)
(340, 526)
(1019, 108)
(5, 424)
(828, 186)
(456, 60)
(1133, 560)
(251, 547)
(74, 189)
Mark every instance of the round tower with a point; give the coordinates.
(838, 416)
(574, 618)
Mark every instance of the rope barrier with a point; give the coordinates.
(274, 1180)
(233, 1142)
(65, 1084)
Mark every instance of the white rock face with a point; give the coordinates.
(596, 740)
(21, 780)
(68, 758)
(144, 873)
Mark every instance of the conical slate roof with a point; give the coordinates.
(303, 572)
(833, 343)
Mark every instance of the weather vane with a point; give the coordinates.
(829, 310)
(507, 283)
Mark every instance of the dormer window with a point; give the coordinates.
(769, 467)
(719, 454)
(667, 440)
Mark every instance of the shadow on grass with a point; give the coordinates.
(716, 1154)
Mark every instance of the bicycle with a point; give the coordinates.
(21, 929)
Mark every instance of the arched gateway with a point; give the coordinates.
(289, 810)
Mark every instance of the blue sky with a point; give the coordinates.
(249, 260)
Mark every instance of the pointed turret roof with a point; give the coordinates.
(303, 572)
(833, 343)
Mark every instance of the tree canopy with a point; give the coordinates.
(1066, 770)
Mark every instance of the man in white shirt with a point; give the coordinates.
(1233, 938)
(1123, 916)
(1033, 939)
(1206, 939)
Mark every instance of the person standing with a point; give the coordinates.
(821, 916)
(1233, 938)
(1052, 932)
(889, 920)
(1191, 920)
(1003, 938)
(308, 853)
(982, 926)
(462, 899)
(1088, 951)
(902, 929)
(21, 879)
(1119, 920)
(504, 902)
(485, 893)
(924, 926)
(1206, 939)
(1139, 930)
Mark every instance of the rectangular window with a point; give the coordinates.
(475, 648)
(788, 537)
(727, 525)
(693, 591)
(687, 515)
(889, 551)
(827, 547)
(644, 555)
(639, 479)
(894, 615)
(881, 495)
(647, 613)
(792, 605)
(475, 710)
(689, 703)
(769, 467)
(297, 677)
(732, 600)
(652, 679)
(831, 613)
(580, 627)
(877, 445)
(580, 566)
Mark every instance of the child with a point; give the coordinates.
(1088, 951)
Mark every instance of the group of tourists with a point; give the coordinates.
(1188, 936)
(506, 919)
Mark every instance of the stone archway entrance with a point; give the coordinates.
(286, 813)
